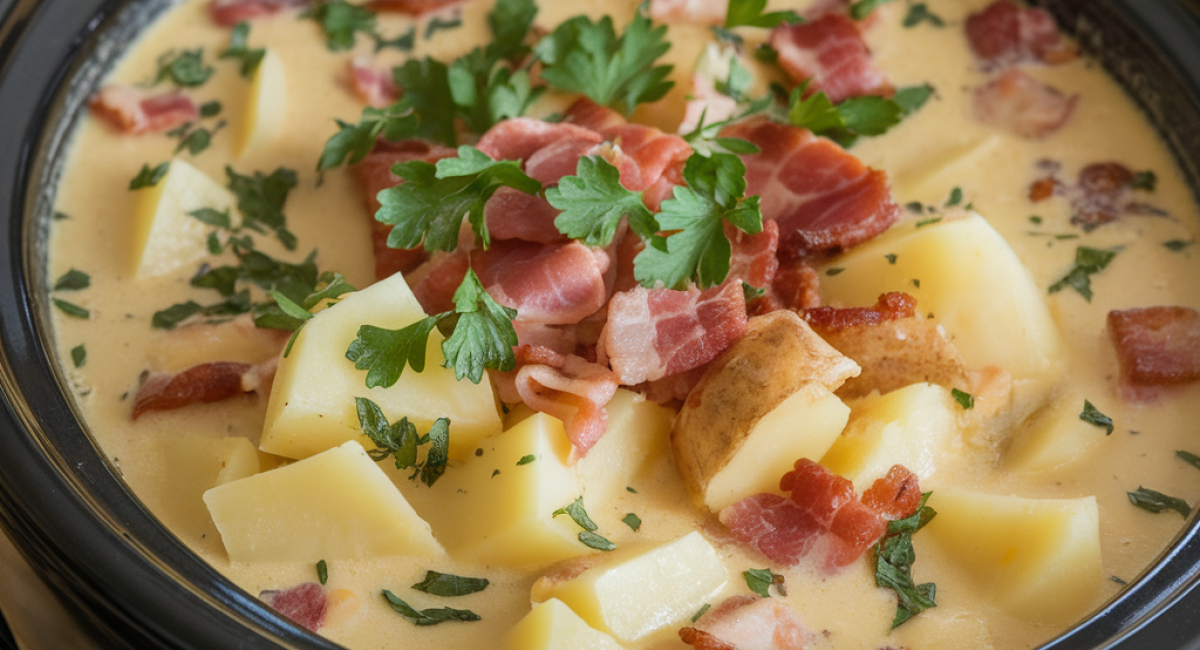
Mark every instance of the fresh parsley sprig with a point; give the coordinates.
(487, 91)
(846, 121)
(430, 206)
(593, 201)
(353, 142)
(894, 557)
(588, 57)
(697, 248)
(240, 50)
(261, 198)
(749, 13)
(186, 68)
(482, 336)
(401, 441)
(1088, 262)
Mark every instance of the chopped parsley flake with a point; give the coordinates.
(1088, 261)
(598, 542)
(928, 222)
(1189, 458)
(760, 580)
(956, 197)
(1144, 180)
(1035, 220)
(184, 68)
(1176, 245)
(428, 616)
(449, 586)
(322, 572)
(750, 13)
(260, 199)
(71, 309)
(920, 13)
(401, 441)
(341, 21)
(633, 521)
(893, 567)
(437, 24)
(149, 176)
(73, 280)
(525, 460)
(1093, 416)
(578, 514)
(891, 258)
(210, 109)
(834, 271)
(863, 8)
(701, 612)
(1158, 502)
(240, 51)
(79, 356)
(964, 399)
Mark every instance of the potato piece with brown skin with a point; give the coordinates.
(767, 401)
(897, 353)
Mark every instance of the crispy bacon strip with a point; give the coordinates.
(520, 137)
(131, 110)
(748, 623)
(228, 13)
(569, 388)
(554, 284)
(892, 305)
(305, 604)
(1156, 346)
(1017, 102)
(1003, 34)
(831, 53)
(209, 382)
(822, 197)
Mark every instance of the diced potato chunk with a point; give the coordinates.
(637, 436)
(191, 464)
(497, 507)
(1039, 558)
(1053, 436)
(336, 505)
(634, 597)
(553, 626)
(266, 106)
(765, 403)
(913, 426)
(165, 237)
(970, 280)
(312, 408)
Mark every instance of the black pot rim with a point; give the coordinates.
(127, 579)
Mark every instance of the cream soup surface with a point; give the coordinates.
(932, 152)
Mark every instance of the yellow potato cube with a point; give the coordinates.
(632, 597)
(553, 626)
(497, 507)
(165, 237)
(1053, 436)
(266, 106)
(312, 407)
(913, 426)
(965, 274)
(336, 505)
(638, 434)
(1038, 558)
(189, 465)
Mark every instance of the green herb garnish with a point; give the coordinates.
(322, 572)
(149, 176)
(593, 202)
(1093, 416)
(750, 13)
(428, 616)
(919, 13)
(184, 68)
(73, 280)
(633, 521)
(239, 50)
(863, 8)
(1144, 180)
(894, 556)
(526, 459)
(71, 309)
(449, 586)
(1189, 458)
(1158, 502)
(760, 580)
(78, 355)
(401, 441)
(1088, 261)
(964, 399)
(854, 117)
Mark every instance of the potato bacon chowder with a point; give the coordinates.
(604, 324)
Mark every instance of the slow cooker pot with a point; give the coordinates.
(130, 583)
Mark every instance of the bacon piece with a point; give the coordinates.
(773, 525)
(707, 103)
(228, 13)
(410, 7)
(434, 282)
(822, 197)
(795, 286)
(1156, 346)
(520, 137)
(1019, 103)
(131, 110)
(890, 306)
(703, 12)
(1101, 194)
(590, 115)
(643, 154)
(1004, 34)
(653, 333)
(894, 496)
(374, 86)
(752, 259)
(374, 175)
(831, 52)
(209, 382)
(305, 604)
(831, 500)
(569, 388)
(513, 214)
(748, 623)
(556, 284)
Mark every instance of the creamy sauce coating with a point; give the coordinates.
(935, 150)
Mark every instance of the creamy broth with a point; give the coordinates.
(930, 153)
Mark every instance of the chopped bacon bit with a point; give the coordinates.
(653, 333)
(831, 52)
(1042, 189)
(374, 175)
(411, 7)
(796, 286)
(569, 388)
(1017, 102)
(703, 12)
(554, 284)
(822, 197)
(131, 110)
(520, 137)
(748, 623)
(228, 13)
(774, 526)
(830, 499)
(209, 382)
(306, 604)
(1004, 34)
(1103, 191)
(374, 86)
(1156, 346)
(894, 496)
(890, 306)
(752, 259)
(590, 115)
